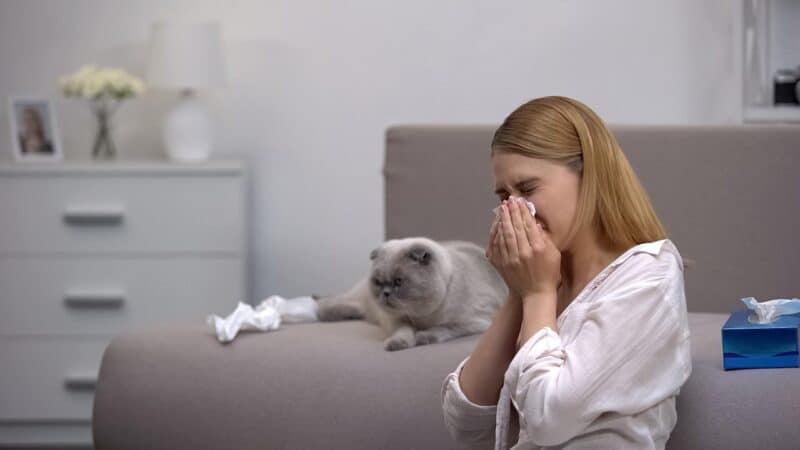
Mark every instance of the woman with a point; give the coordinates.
(33, 139)
(591, 347)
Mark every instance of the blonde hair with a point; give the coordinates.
(611, 199)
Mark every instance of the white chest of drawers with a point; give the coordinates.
(90, 250)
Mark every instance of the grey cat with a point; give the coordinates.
(422, 292)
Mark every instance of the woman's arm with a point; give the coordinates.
(470, 418)
(482, 376)
(538, 311)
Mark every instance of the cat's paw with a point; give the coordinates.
(333, 313)
(395, 343)
(426, 337)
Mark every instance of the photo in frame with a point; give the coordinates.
(34, 131)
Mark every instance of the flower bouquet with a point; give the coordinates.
(106, 89)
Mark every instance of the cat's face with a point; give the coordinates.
(406, 277)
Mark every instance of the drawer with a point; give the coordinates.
(96, 295)
(121, 212)
(48, 378)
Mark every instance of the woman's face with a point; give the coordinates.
(551, 186)
(30, 121)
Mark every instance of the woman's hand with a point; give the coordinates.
(523, 254)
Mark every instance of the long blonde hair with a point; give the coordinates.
(611, 200)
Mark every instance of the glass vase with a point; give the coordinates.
(103, 109)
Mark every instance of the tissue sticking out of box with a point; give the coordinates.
(531, 207)
(769, 311)
(267, 316)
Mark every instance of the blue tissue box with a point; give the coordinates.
(748, 345)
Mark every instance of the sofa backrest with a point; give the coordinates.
(728, 195)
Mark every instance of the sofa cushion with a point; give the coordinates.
(331, 385)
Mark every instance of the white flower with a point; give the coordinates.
(91, 81)
(92, 87)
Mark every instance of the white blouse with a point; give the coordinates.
(609, 377)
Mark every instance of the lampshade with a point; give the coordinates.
(185, 55)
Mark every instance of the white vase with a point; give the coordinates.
(187, 130)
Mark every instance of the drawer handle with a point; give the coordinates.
(94, 299)
(94, 214)
(80, 381)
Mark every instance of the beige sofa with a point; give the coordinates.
(728, 196)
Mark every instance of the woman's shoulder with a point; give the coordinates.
(668, 257)
(654, 260)
(656, 248)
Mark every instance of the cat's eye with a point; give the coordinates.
(397, 281)
(376, 281)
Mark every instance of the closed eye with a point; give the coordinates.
(526, 183)
(525, 192)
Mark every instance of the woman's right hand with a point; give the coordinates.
(490, 246)
(514, 300)
(492, 257)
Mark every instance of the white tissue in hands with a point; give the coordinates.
(528, 202)
(267, 316)
(768, 311)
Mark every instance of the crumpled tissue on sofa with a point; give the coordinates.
(268, 315)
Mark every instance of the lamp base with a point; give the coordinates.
(187, 135)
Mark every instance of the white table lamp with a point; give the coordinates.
(186, 57)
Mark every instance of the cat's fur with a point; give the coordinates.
(447, 289)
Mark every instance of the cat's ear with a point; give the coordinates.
(420, 254)
(373, 254)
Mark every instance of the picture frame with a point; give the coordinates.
(35, 135)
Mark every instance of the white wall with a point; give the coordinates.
(313, 85)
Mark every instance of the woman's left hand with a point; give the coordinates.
(523, 254)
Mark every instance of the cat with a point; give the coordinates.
(421, 291)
